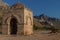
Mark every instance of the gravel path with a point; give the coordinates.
(38, 35)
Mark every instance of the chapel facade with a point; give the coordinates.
(16, 19)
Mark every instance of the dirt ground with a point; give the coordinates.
(38, 35)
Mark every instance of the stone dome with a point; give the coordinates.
(3, 4)
(17, 5)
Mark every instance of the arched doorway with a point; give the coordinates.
(13, 26)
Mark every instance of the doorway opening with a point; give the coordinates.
(13, 26)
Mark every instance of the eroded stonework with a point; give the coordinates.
(16, 20)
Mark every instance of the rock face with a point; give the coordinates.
(45, 20)
(16, 20)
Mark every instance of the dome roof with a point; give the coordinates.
(17, 5)
(3, 3)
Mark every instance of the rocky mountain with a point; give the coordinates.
(44, 20)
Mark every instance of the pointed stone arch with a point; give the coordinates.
(13, 26)
(8, 20)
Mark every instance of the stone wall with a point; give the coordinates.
(24, 18)
(28, 21)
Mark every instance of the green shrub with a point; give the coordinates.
(35, 27)
(52, 28)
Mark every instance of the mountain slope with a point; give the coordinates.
(44, 20)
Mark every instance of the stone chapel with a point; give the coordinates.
(16, 19)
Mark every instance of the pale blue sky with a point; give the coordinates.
(49, 7)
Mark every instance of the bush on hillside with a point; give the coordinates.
(52, 28)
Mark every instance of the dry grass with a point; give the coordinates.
(38, 35)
